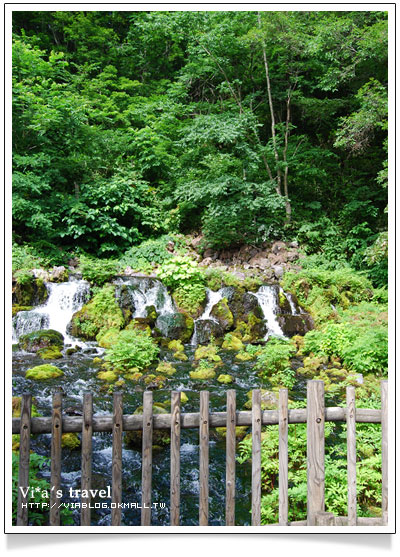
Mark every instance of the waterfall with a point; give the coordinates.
(267, 298)
(65, 298)
(213, 297)
(145, 292)
(295, 310)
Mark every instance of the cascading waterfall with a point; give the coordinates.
(213, 297)
(65, 298)
(145, 292)
(267, 298)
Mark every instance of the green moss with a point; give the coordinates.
(177, 347)
(223, 314)
(16, 308)
(231, 342)
(244, 356)
(203, 374)
(70, 441)
(43, 372)
(161, 438)
(240, 431)
(107, 338)
(225, 378)
(32, 342)
(133, 375)
(50, 353)
(109, 376)
(98, 316)
(209, 352)
(166, 368)
(97, 361)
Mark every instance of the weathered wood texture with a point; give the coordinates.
(55, 469)
(204, 457)
(283, 457)
(351, 457)
(24, 454)
(86, 473)
(385, 457)
(191, 420)
(315, 450)
(147, 457)
(230, 457)
(256, 459)
(175, 457)
(117, 460)
(324, 519)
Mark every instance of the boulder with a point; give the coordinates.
(223, 314)
(59, 274)
(206, 328)
(278, 271)
(43, 372)
(295, 324)
(45, 338)
(178, 326)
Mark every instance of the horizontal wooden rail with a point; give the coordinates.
(134, 422)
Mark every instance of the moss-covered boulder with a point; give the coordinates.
(209, 352)
(50, 353)
(240, 432)
(223, 314)
(32, 292)
(292, 325)
(244, 356)
(203, 374)
(225, 378)
(45, 338)
(107, 338)
(17, 308)
(140, 323)
(43, 372)
(206, 329)
(108, 375)
(269, 400)
(98, 316)
(232, 342)
(70, 441)
(165, 368)
(178, 349)
(161, 438)
(178, 326)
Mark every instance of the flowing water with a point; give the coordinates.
(81, 376)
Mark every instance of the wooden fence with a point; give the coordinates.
(315, 415)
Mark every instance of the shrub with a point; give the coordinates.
(150, 253)
(189, 297)
(25, 258)
(274, 357)
(97, 271)
(133, 348)
(180, 271)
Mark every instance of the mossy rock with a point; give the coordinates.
(184, 398)
(269, 400)
(133, 375)
(109, 376)
(70, 441)
(177, 347)
(165, 368)
(231, 342)
(225, 378)
(50, 353)
(240, 432)
(244, 356)
(202, 374)
(140, 323)
(30, 293)
(17, 308)
(208, 352)
(43, 372)
(70, 351)
(98, 316)
(177, 326)
(154, 381)
(32, 342)
(107, 338)
(97, 361)
(223, 314)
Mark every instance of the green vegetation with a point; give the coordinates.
(43, 372)
(132, 349)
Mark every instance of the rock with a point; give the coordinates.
(295, 324)
(208, 253)
(109, 376)
(231, 342)
(207, 353)
(260, 261)
(33, 342)
(43, 372)
(206, 262)
(70, 441)
(278, 246)
(278, 271)
(49, 353)
(109, 337)
(42, 274)
(165, 368)
(30, 293)
(203, 373)
(294, 244)
(176, 326)
(59, 274)
(170, 246)
(292, 256)
(206, 328)
(223, 314)
(73, 262)
(225, 378)
(196, 242)
(249, 303)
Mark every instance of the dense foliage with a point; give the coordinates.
(245, 125)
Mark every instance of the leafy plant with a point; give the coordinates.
(97, 271)
(180, 271)
(132, 349)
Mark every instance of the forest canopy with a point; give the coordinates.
(244, 126)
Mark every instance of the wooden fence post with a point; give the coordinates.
(55, 472)
(204, 458)
(86, 473)
(283, 457)
(351, 457)
(315, 450)
(256, 459)
(147, 457)
(324, 519)
(230, 457)
(385, 461)
(24, 454)
(117, 460)
(175, 457)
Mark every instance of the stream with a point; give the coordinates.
(81, 376)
